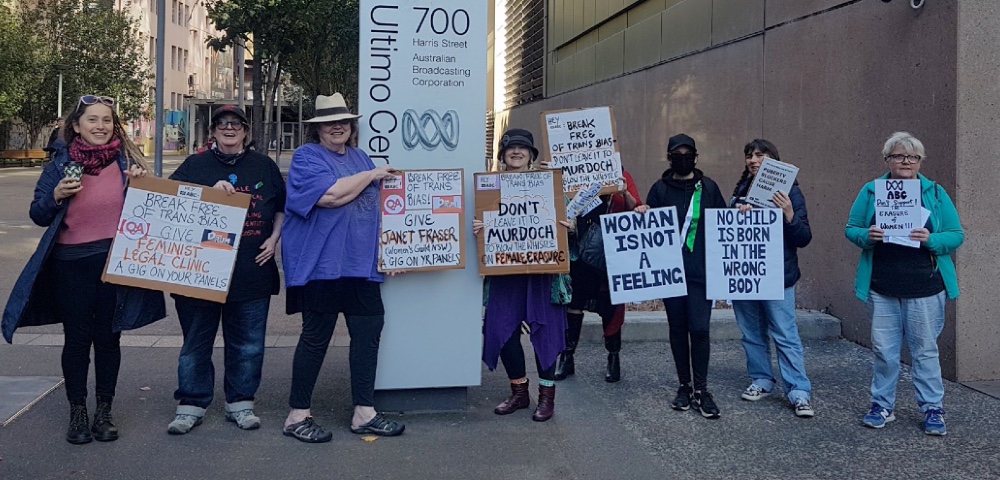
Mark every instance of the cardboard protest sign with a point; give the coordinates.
(583, 144)
(521, 213)
(643, 253)
(772, 177)
(423, 219)
(744, 254)
(898, 209)
(177, 237)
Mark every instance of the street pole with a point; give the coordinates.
(190, 135)
(281, 131)
(240, 63)
(301, 93)
(59, 111)
(161, 35)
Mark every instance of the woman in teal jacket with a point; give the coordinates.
(904, 286)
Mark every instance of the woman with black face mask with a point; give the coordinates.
(691, 192)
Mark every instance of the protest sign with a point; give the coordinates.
(423, 218)
(643, 253)
(177, 237)
(772, 177)
(897, 206)
(583, 144)
(744, 254)
(521, 231)
(585, 200)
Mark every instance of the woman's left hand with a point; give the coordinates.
(266, 251)
(569, 224)
(782, 201)
(641, 209)
(135, 171)
(920, 235)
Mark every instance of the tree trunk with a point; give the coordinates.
(257, 85)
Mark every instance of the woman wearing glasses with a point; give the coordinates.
(904, 286)
(231, 166)
(79, 197)
(330, 258)
(687, 188)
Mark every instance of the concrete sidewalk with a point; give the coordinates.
(600, 431)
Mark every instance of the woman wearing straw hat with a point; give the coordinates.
(330, 255)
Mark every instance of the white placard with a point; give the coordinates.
(584, 201)
(643, 254)
(422, 221)
(169, 241)
(582, 144)
(772, 177)
(897, 208)
(925, 214)
(422, 83)
(744, 254)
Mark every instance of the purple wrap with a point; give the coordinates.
(523, 298)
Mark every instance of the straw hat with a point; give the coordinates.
(331, 108)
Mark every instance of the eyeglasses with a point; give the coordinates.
(900, 158)
(95, 99)
(682, 156)
(229, 125)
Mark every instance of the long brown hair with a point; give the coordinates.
(132, 151)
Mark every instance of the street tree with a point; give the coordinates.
(329, 62)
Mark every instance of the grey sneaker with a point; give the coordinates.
(803, 409)
(754, 393)
(187, 417)
(242, 414)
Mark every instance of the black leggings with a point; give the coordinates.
(317, 330)
(512, 357)
(689, 317)
(86, 306)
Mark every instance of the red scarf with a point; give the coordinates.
(94, 157)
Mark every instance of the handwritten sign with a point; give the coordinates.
(582, 143)
(772, 177)
(744, 254)
(423, 218)
(177, 237)
(521, 232)
(643, 253)
(585, 200)
(897, 207)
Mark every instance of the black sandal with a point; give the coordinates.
(307, 431)
(380, 426)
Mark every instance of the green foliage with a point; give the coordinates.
(328, 62)
(97, 49)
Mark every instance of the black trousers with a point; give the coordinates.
(689, 318)
(86, 306)
(512, 357)
(317, 330)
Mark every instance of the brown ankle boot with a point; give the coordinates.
(518, 399)
(546, 403)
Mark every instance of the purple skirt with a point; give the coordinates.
(523, 298)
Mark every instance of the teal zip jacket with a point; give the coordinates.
(946, 233)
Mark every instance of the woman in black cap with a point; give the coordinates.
(685, 187)
(538, 300)
(232, 166)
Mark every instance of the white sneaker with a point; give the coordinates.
(242, 414)
(754, 393)
(187, 417)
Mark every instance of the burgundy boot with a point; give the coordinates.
(546, 403)
(518, 399)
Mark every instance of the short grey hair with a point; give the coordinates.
(905, 140)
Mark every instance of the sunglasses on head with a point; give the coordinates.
(95, 99)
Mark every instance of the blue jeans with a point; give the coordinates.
(243, 327)
(759, 319)
(920, 320)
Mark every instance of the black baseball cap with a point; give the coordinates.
(680, 140)
(231, 110)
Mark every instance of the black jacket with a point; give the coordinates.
(667, 192)
(797, 233)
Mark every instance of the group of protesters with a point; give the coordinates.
(326, 219)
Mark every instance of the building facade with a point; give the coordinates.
(826, 80)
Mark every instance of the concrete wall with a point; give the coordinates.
(827, 81)
(978, 331)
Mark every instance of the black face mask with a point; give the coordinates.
(682, 163)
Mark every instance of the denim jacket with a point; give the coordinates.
(33, 296)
